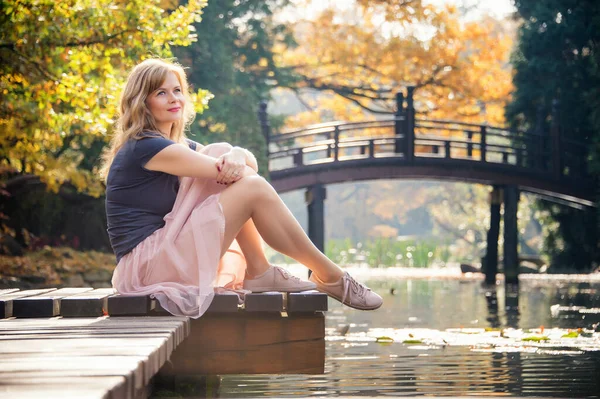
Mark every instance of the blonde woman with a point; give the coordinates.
(178, 212)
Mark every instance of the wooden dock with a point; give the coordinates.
(85, 343)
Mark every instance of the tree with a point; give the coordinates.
(366, 51)
(557, 59)
(61, 65)
(234, 59)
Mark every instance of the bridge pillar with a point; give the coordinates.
(315, 200)
(511, 234)
(490, 261)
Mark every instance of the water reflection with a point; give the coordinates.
(359, 367)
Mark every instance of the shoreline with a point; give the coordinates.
(450, 272)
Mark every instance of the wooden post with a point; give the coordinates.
(336, 143)
(410, 124)
(400, 115)
(315, 200)
(511, 234)
(470, 144)
(556, 141)
(490, 264)
(483, 142)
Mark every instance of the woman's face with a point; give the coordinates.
(166, 103)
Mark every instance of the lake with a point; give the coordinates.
(448, 335)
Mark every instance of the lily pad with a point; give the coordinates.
(571, 334)
(384, 340)
(536, 338)
(412, 341)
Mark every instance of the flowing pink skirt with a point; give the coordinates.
(180, 264)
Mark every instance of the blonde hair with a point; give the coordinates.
(134, 116)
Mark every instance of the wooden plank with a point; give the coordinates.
(306, 301)
(294, 357)
(130, 367)
(6, 301)
(88, 304)
(43, 305)
(224, 303)
(125, 305)
(212, 337)
(122, 305)
(8, 291)
(264, 302)
(58, 349)
(155, 348)
(34, 387)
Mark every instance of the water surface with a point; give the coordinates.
(469, 342)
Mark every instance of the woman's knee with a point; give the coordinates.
(216, 149)
(255, 186)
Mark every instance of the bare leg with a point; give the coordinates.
(254, 198)
(251, 244)
(248, 238)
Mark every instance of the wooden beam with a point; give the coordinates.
(306, 301)
(252, 344)
(45, 304)
(88, 304)
(6, 301)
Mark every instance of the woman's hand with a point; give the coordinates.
(231, 166)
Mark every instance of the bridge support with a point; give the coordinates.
(315, 200)
(490, 261)
(511, 234)
(510, 196)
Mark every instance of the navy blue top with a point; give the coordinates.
(137, 199)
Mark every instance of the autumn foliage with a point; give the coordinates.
(362, 53)
(62, 64)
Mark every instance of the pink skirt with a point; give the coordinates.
(180, 264)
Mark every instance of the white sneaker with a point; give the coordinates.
(277, 279)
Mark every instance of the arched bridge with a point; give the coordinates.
(542, 161)
(405, 147)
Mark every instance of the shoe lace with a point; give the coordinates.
(350, 284)
(288, 276)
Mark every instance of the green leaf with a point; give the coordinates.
(412, 341)
(571, 334)
(535, 338)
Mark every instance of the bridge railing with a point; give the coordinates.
(459, 140)
(333, 142)
(408, 138)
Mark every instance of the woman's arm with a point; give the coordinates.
(178, 160)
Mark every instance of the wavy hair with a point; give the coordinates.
(134, 116)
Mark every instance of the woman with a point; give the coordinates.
(178, 212)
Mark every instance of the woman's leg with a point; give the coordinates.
(248, 237)
(254, 198)
(251, 245)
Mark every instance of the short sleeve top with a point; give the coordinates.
(138, 199)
